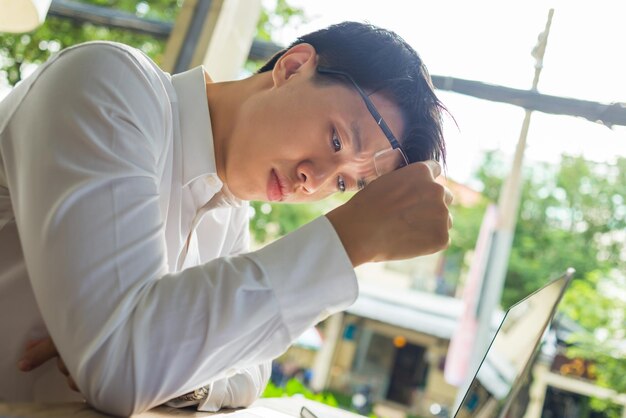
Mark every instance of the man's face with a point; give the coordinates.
(302, 141)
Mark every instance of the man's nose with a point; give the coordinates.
(313, 176)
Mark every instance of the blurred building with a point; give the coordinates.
(393, 346)
(565, 384)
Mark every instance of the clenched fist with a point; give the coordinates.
(400, 215)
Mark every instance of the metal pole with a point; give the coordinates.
(500, 249)
(608, 114)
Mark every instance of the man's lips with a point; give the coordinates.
(274, 188)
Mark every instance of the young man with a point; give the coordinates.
(123, 223)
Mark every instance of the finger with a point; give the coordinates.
(448, 196)
(434, 167)
(38, 354)
(450, 221)
(61, 366)
(30, 344)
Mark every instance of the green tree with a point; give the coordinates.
(280, 15)
(569, 216)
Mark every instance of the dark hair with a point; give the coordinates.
(381, 61)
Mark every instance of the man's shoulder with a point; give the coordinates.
(103, 51)
(101, 77)
(115, 46)
(97, 65)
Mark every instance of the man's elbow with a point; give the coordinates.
(116, 403)
(119, 410)
(114, 389)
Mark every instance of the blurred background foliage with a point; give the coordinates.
(270, 221)
(278, 15)
(20, 53)
(571, 215)
(295, 387)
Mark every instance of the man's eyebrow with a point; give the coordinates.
(356, 137)
(358, 147)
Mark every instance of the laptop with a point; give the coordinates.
(511, 354)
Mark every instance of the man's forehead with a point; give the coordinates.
(366, 130)
(369, 139)
(391, 112)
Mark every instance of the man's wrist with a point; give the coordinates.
(348, 235)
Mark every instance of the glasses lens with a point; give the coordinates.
(389, 160)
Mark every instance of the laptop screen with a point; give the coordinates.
(511, 352)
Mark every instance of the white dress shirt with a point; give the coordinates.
(118, 239)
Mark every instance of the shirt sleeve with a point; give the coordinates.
(82, 162)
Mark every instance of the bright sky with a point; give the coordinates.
(491, 42)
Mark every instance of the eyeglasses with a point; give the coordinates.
(386, 160)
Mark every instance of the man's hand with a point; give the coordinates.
(400, 215)
(37, 352)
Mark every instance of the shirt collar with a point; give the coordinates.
(195, 124)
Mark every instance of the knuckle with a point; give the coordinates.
(437, 191)
(421, 168)
(430, 167)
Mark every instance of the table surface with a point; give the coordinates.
(290, 406)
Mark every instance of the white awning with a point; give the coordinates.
(417, 311)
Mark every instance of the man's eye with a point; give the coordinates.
(336, 142)
(360, 184)
(341, 184)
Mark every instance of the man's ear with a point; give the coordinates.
(301, 58)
